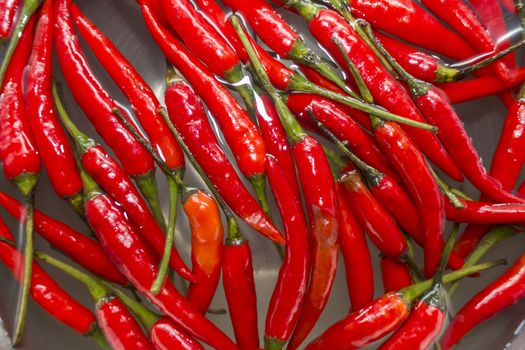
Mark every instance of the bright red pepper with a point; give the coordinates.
(206, 247)
(356, 256)
(141, 97)
(8, 10)
(51, 140)
(475, 212)
(289, 293)
(164, 336)
(497, 296)
(395, 274)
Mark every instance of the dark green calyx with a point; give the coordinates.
(26, 183)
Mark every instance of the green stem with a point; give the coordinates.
(273, 343)
(414, 291)
(445, 255)
(446, 189)
(147, 185)
(91, 188)
(170, 235)
(29, 7)
(235, 77)
(520, 10)
(98, 337)
(496, 235)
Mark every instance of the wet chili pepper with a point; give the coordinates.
(19, 154)
(382, 316)
(137, 262)
(395, 274)
(321, 203)
(8, 10)
(335, 34)
(356, 256)
(206, 248)
(27, 10)
(80, 248)
(462, 19)
(141, 97)
(47, 293)
(51, 140)
(508, 289)
(410, 22)
(475, 212)
(289, 293)
(98, 106)
(112, 178)
(187, 115)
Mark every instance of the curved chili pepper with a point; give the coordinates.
(379, 225)
(190, 120)
(112, 178)
(408, 21)
(98, 106)
(27, 10)
(141, 97)
(19, 155)
(164, 336)
(342, 125)
(206, 247)
(8, 10)
(475, 212)
(395, 274)
(470, 238)
(363, 327)
(461, 18)
(45, 291)
(83, 250)
(119, 239)
(289, 293)
(52, 142)
(333, 32)
(356, 256)
(497, 296)
(321, 203)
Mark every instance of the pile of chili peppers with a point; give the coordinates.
(364, 156)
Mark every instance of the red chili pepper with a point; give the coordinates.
(112, 178)
(141, 97)
(119, 239)
(470, 238)
(356, 256)
(189, 118)
(462, 19)
(165, 336)
(342, 125)
(83, 250)
(407, 20)
(378, 224)
(206, 247)
(288, 296)
(45, 291)
(51, 141)
(8, 10)
(475, 212)
(497, 296)
(333, 32)
(395, 274)
(510, 5)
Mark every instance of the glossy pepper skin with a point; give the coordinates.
(378, 224)
(497, 296)
(83, 250)
(356, 256)
(8, 10)
(138, 263)
(18, 150)
(327, 26)
(395, 274)
(239, 288)
(51, 140)
(118, 325)
(240, 132)
(412, 167)
(45, 291)
(141, 97)
(188, 116)
(207, 235)
(318, 188)
(364, 326)
(165, 337)
(93, 99)
(290, 291)
(408, 21)
(476, 212)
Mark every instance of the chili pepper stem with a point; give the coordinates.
(98, 337)
(258, 183)
(520, 10)
(147, 185)
(236, 77)
(76, 201)
(447, 190)
(29, 7)
(496, 235)
(273, 344)
(170, 234)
